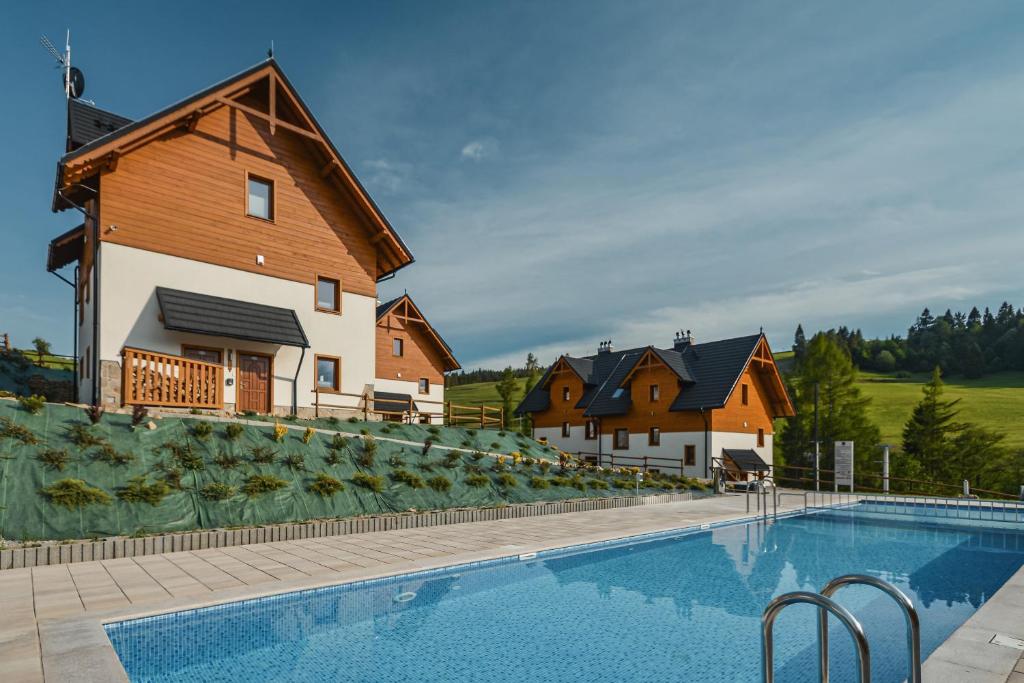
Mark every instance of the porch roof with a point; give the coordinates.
(391, 402)
(205, 314)
(746, 459)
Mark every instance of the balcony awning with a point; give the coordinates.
(66, 249)
(220, 317)
(746, 459)
(391, 402)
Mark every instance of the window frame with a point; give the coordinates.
(420, 385)
(616, 444)
(566, 395)
(760, 437)
(401, 347)
(654, 393)
(566, 430)
(590, 430)
(745, 394)
(271, 198)
(185, 348)
(654, 436)
(337, 294)
(336, 387)
(690, 455)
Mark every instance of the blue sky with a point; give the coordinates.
(571, 172)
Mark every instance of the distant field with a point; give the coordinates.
(994, 401)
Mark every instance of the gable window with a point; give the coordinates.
(565, 393)
(621, 441)
(565, 429)
(591, 430)
(328, 295)
(328, 373)
(424, 385)
(654, 436)
(397, 347)
(655, 393)
(760, 438)
(745, 394)
(690, 455)
(260, 198)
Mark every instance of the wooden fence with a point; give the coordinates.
(157, 379)
(412, 409)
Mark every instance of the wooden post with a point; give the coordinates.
(501, 417)
(366, 407)
(316, 401)
(483, 416)
(645, 464)
(410, 410)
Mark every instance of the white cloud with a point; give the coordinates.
(477, 150)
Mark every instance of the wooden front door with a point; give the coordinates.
(253, 383)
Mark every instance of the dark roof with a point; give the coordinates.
(383, 308)
(214, 315)
(87, 123)
(746, 459)
(708, 372)
(66, 248)
(390, 402)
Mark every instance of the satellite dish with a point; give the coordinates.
(74, 82)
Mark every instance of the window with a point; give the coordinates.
(655, 393)
(760, 438)
(618, 393)
(690, 455)
(591, 430)
(261, 198)
(654, 436)
(745, 394)
(424, 385)
(397, 347)
(328, 373)
(565, 429)
(201, 353)
(565, 393)
(328, 295)
(621, 439)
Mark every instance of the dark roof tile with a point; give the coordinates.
(220, 317)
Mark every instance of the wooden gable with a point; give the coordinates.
(762, 363)
(424, 347)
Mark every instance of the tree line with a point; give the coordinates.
(970, 344)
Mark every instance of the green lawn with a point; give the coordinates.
(995, 401)
(481, 393)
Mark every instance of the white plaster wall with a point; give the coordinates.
(399, 386)
(575, 443)
(129, 317)
(672, 448)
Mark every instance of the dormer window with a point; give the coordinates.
(618, 393)
(565, 393)
(260, 198)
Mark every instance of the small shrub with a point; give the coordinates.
(410, 479)
(369, 454)
(477, 480)
(597, 484)
(560, 481)
(280, 431)
(94, 413)
(259, 484)
(370, 481)
(539, 483)
(499, 464)
(473, 468)
(528, 462)
(10, 430)
(139, 414)
(308, 435)
(74, 493)
(295, 462)
(544, 466)
(353, 419)
(440, 484)
(338, 442)
(433, 430)
(385, 430)
(396, 461)
(138, 491)
(194, 411)
(477, 456)
(452, 459)
(249, 413)
(501, 434)
(507, 480)
(471, 432)
(623, 484)
(171, 475)
(227, 461)
(333, 458)
(517, 457)
(495, 446)
(325, 485)
(233, 431)
(261, 455)
(217, 491)
(425, 466)
(467, 444)
(185, 456)
(54, 458)
(426, 447)
(578, 483)
(364, 432)
(113, 457)
(32, 404)
(291, 417)
(202, 429)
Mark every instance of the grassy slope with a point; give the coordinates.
(995, 401)
(483, 392)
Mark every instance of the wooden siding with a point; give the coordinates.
(184, 194)
(644, 414)
(420, 359)
(562, 410)
(756, 414)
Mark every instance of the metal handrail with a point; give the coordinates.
(771, 612)
(909, 614)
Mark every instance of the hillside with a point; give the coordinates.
(995, 401)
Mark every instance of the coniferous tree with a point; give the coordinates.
(928, 434)
(506, 388)
(799, 344)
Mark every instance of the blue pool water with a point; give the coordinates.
(682, 607)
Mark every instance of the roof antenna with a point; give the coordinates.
(74, 79)
(270, 52)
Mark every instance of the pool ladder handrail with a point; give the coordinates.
(825, 604)
(760, 487)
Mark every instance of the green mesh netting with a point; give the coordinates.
(28, 514)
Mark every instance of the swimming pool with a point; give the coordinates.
(679, 606)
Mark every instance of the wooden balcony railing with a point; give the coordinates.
(158, 379)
